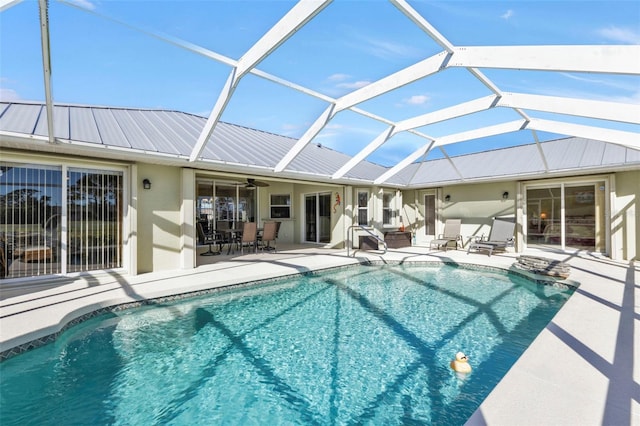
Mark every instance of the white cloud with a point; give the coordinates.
(333, 126)
(619, 34)
(338, 77)
(387, 49)
(86, 4)
(417, 100)
(604, 81)
(383, 48)
(508, 14)
(9, 95)
(353, 85)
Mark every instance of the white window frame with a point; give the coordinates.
(366, 208)
(288, 206)
(392, 208)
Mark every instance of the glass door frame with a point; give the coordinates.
(236, 212)
(318, 227)
(421, 235)
(596, 181)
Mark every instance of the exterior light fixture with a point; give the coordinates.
(505, 195)
(447, 198)
(146, 184)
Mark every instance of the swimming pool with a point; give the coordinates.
(358, 345)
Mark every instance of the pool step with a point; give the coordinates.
(543, 266)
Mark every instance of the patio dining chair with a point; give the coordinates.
(269, 235)
(207, 238)
(249, 236)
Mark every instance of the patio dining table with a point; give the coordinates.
(231, 237)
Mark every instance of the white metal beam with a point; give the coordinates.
(405, 76)
(618, 137)
(6, 4)
(498, 129)
(451, 163)
(481, 132)
(402, 164)
(616, 59)
(46, 66)
(364, 153)
(401, 78)
(296, 18)
(543, 157)
(216, 113)
(422, 23)
(485, 80)
(579, 107)
(612, 111)
(459, 110)
(311, 132)
(299, 15)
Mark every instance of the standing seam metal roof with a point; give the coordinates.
(175, 133)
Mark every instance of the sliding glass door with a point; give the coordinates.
(317, 215)
(57, 219)
(570, 216)
(224, 205)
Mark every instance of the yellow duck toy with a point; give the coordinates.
(461, 364)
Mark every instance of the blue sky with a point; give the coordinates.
(98, 60)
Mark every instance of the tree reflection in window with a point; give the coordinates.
(94, 218)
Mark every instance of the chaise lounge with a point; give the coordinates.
(451, 234)
(500, 237)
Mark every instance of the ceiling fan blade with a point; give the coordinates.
(254, 183)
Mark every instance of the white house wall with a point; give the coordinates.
(159, 220)
(625, 218)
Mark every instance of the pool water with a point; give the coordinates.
(370, 344)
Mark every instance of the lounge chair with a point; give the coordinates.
(500, 237)
(451, 234)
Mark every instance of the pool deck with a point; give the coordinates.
(580, 370)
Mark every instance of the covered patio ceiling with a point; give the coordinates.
(477, 113)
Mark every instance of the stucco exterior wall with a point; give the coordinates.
(475, 204)
(286, 232)
(291, 230)
(625, 218)
(159, 221)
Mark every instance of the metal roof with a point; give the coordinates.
(169, 136)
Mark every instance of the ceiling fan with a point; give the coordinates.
(252, 183)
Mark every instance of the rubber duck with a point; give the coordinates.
(461, 364)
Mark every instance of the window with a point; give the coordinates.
(388, 212)
(280, 206)
(363, 208)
